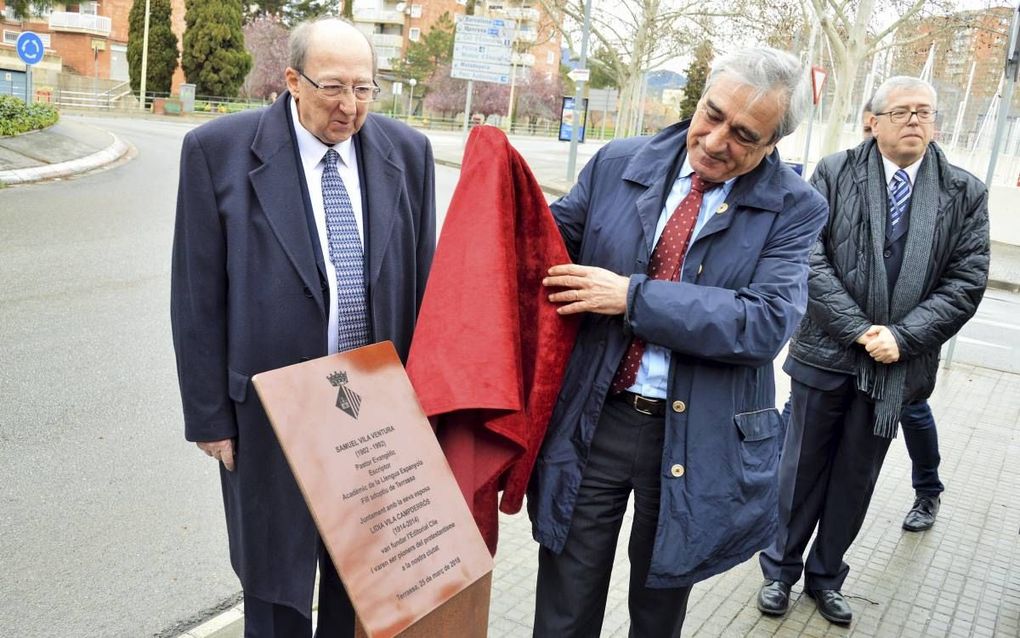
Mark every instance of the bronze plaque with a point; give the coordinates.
(377, 484)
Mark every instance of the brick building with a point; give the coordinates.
(962, 40)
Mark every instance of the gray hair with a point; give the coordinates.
(767, 70)
(301, 36)
(896, 83)
(867, 107)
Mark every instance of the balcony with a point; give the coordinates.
(80, 23)
(522, 14)
(387, 40)
(378, 16)
(387, 57)
(527, 35)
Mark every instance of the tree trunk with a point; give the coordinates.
(846, 71)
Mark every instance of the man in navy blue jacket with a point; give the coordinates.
(690, 253)
(258, 283)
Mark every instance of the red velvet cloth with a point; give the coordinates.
(489, 350)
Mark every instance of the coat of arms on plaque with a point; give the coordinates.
(346, 399)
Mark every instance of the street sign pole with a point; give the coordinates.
(575, 128)
(30, 50)
(145, 56)
(467, 107)
(1012, 65)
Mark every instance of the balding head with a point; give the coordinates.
(324, 32)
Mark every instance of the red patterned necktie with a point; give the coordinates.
(665, 264)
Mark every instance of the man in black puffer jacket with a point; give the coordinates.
(899, 268)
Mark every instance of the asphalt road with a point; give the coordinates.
(110, 523)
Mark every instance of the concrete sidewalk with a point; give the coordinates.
(65, 149)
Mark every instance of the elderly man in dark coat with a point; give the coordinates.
(691, 250)
(302, 229)
(900, 267)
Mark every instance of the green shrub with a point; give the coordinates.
(17, 117)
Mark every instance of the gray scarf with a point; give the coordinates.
(883, 382)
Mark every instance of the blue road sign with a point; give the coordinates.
(30, 48)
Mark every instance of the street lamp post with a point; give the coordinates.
(145, 55)
(575, 127)
(410, 96)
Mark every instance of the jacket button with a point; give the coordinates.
(701, 267)
(887, 254)
(677, 470)
(308, 292)
(679, 406)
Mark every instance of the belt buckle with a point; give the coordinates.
(639, 401)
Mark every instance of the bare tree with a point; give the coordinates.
(635, 36)
(854, 32)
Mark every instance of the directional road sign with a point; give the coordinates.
(817, 82)
(30, 48)
(579, 75)
(482, 49)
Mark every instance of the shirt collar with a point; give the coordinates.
(891, 168)
(311, 148)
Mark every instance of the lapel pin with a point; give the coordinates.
(722, 208)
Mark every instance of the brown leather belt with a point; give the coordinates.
(644, 405)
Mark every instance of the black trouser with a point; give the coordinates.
(263, 619)
(922, 441)
(827, 474)
(625, 456)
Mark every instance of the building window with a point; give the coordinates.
(414, 34)
(88, 8)
(415, 10)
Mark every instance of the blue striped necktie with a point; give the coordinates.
(899, 197)
(347, 256)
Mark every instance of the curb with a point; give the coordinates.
(1008, 286)
(227, 621)
(108, 155)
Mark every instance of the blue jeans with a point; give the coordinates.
(922, 445)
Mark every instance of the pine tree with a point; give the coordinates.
(433, 51)
(697, 73)
(162, 58)
(214, 58)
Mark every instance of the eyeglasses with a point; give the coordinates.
(899, 116)
(361, 92)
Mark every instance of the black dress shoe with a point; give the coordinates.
(922, 515)
(774, 598)
(832, 606)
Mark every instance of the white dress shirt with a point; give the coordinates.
(312, 151)
(653, 373)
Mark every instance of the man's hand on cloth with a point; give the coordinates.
(220, 450)
(587, 289)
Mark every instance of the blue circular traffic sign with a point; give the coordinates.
(30, 47)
